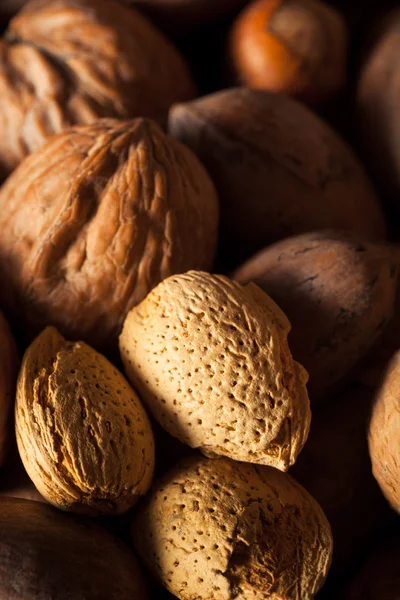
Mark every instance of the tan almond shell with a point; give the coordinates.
(337, 290)
(67, 62)
(82, 433)
(8, 376)
(110, 209)
(48, 555)
(383, 437)
(278, 168)
(219, 530)
(210, 358)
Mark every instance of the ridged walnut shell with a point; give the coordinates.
(67, 62)
(8, 376)
(110, 209)
(219, 530)
(82, 433)
(211, 360)
(298, 47)
(383, 437)
(278, 169)
(47, 555)
(338, 291)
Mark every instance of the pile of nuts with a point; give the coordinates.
(200, 300)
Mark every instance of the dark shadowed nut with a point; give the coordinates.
(219, 530)
(211, 360)
(82, 433)
(279, 170)
(294, 46)
(45, 555)
(338, 293)
(110, 209)
(67, 62)
(8, 375)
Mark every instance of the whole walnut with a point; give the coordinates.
(337, 290)
(110, 209)
(67, 62)
(384, 438)
(8, 376)
(48, 555)
(294, 46)
(279, 170)
(211, 360)
(218, 530)
(83, 436)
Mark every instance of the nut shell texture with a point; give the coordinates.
(109, 210)
(211, 360)
(219, 530)
(384, 438)
(47, 555)
(8, 375)
(279, 170)
(67, 62)
(83, 436)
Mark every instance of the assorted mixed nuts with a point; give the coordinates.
(181, 204)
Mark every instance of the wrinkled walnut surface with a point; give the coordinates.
(109, 210)
(67, 62)
(219, 530)
(210, 358)
(83, 436)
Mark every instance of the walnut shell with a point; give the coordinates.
(383, 436)
(82, 433)
(210, 358)
(278, 168)
(110, 209)
(218, 530)
(67, 62)
(338, 293)
(294, 46)
(47, 555)
(8, 376)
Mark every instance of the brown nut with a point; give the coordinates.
(378, 100)
(82, 433)
(218, 530)
(294, 46)
(211, 360)
(338, 293)
(278, 168)
(8, 375)
(383, 437)
(336, 469)
(110, 209)
(67, 62)
(47, 555)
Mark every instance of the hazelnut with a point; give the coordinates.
(8, 375)
(110, 209)
(383, 437)
(218, 530)
(294, 46)
(338, 293)
(82, 433)
(279, 170)
(67, 62)
(211, 360)
(47, 555)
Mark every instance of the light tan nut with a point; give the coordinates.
(384, 438)
(8, 376)
(82, 433)
(279, 170)
(68, 62)
(337, 290)
(109, 210)
(211, 360)
(219, 530)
